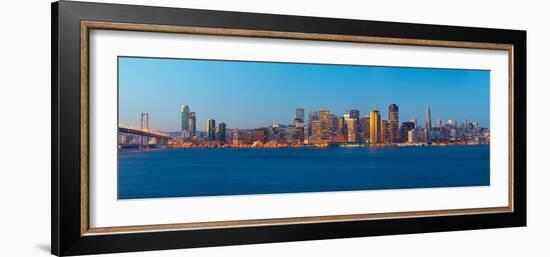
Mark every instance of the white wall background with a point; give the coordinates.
(25, 127)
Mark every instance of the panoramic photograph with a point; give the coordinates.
(191, 127)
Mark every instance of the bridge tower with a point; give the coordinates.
(144, 126)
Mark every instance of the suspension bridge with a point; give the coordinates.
(144, 131)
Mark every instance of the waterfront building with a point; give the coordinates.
(333, 124)
(316, 131)
(184, 118)
(375, 127)
(220, 132)
(364, 123)
(393, 123)
(300, 114)
(352, 130)
(192, 123)
(384, 131)
(312, 116)
(260, 135)
(354, 114)
(324, 118)
(235, 136)
(211, 129)
(405, 128)
(342, 127)
(411, 136)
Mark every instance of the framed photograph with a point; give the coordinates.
(178, 128)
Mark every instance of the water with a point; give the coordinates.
(208, 172)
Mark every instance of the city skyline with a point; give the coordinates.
(243, 100)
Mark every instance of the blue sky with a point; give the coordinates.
(258, 94)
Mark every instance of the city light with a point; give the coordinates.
(322, 129)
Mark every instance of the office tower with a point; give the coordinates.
(393, 123)
(333, 123)
(475, 125)
(300, 114)
(354, 114)
(316, 131)
(440, 123)
(192, 123)
(384, 131)
(184, 118)
(364, 123)
(211, 129)
(375, 127)
(342, 127)
(220, 132)
(312, 116)
(428, 118)
(324, 118)
(411, 136)
(352, 130)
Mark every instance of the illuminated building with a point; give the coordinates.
(184, 118)
(354, 114)
(211, 129)
(364, 123)
(352, 130)
(316, 131)
(313, 116)
(260, 135)
(192, 123)
(324, 118)
(393, 123)
(342, 127)
(375, 127)
(384, 131)
(220, 132)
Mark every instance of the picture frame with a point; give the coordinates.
(71, 26)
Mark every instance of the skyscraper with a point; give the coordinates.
(364, 122)
(384, 131)
(300, 114)
(184, 118)
(375, 127)
(192, 123)
(324, 117)
(393, 123)
(352, 130)
(220, 132)
(354, 114)
(313, 116)
(211, 129)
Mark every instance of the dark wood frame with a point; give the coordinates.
(71, 22)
